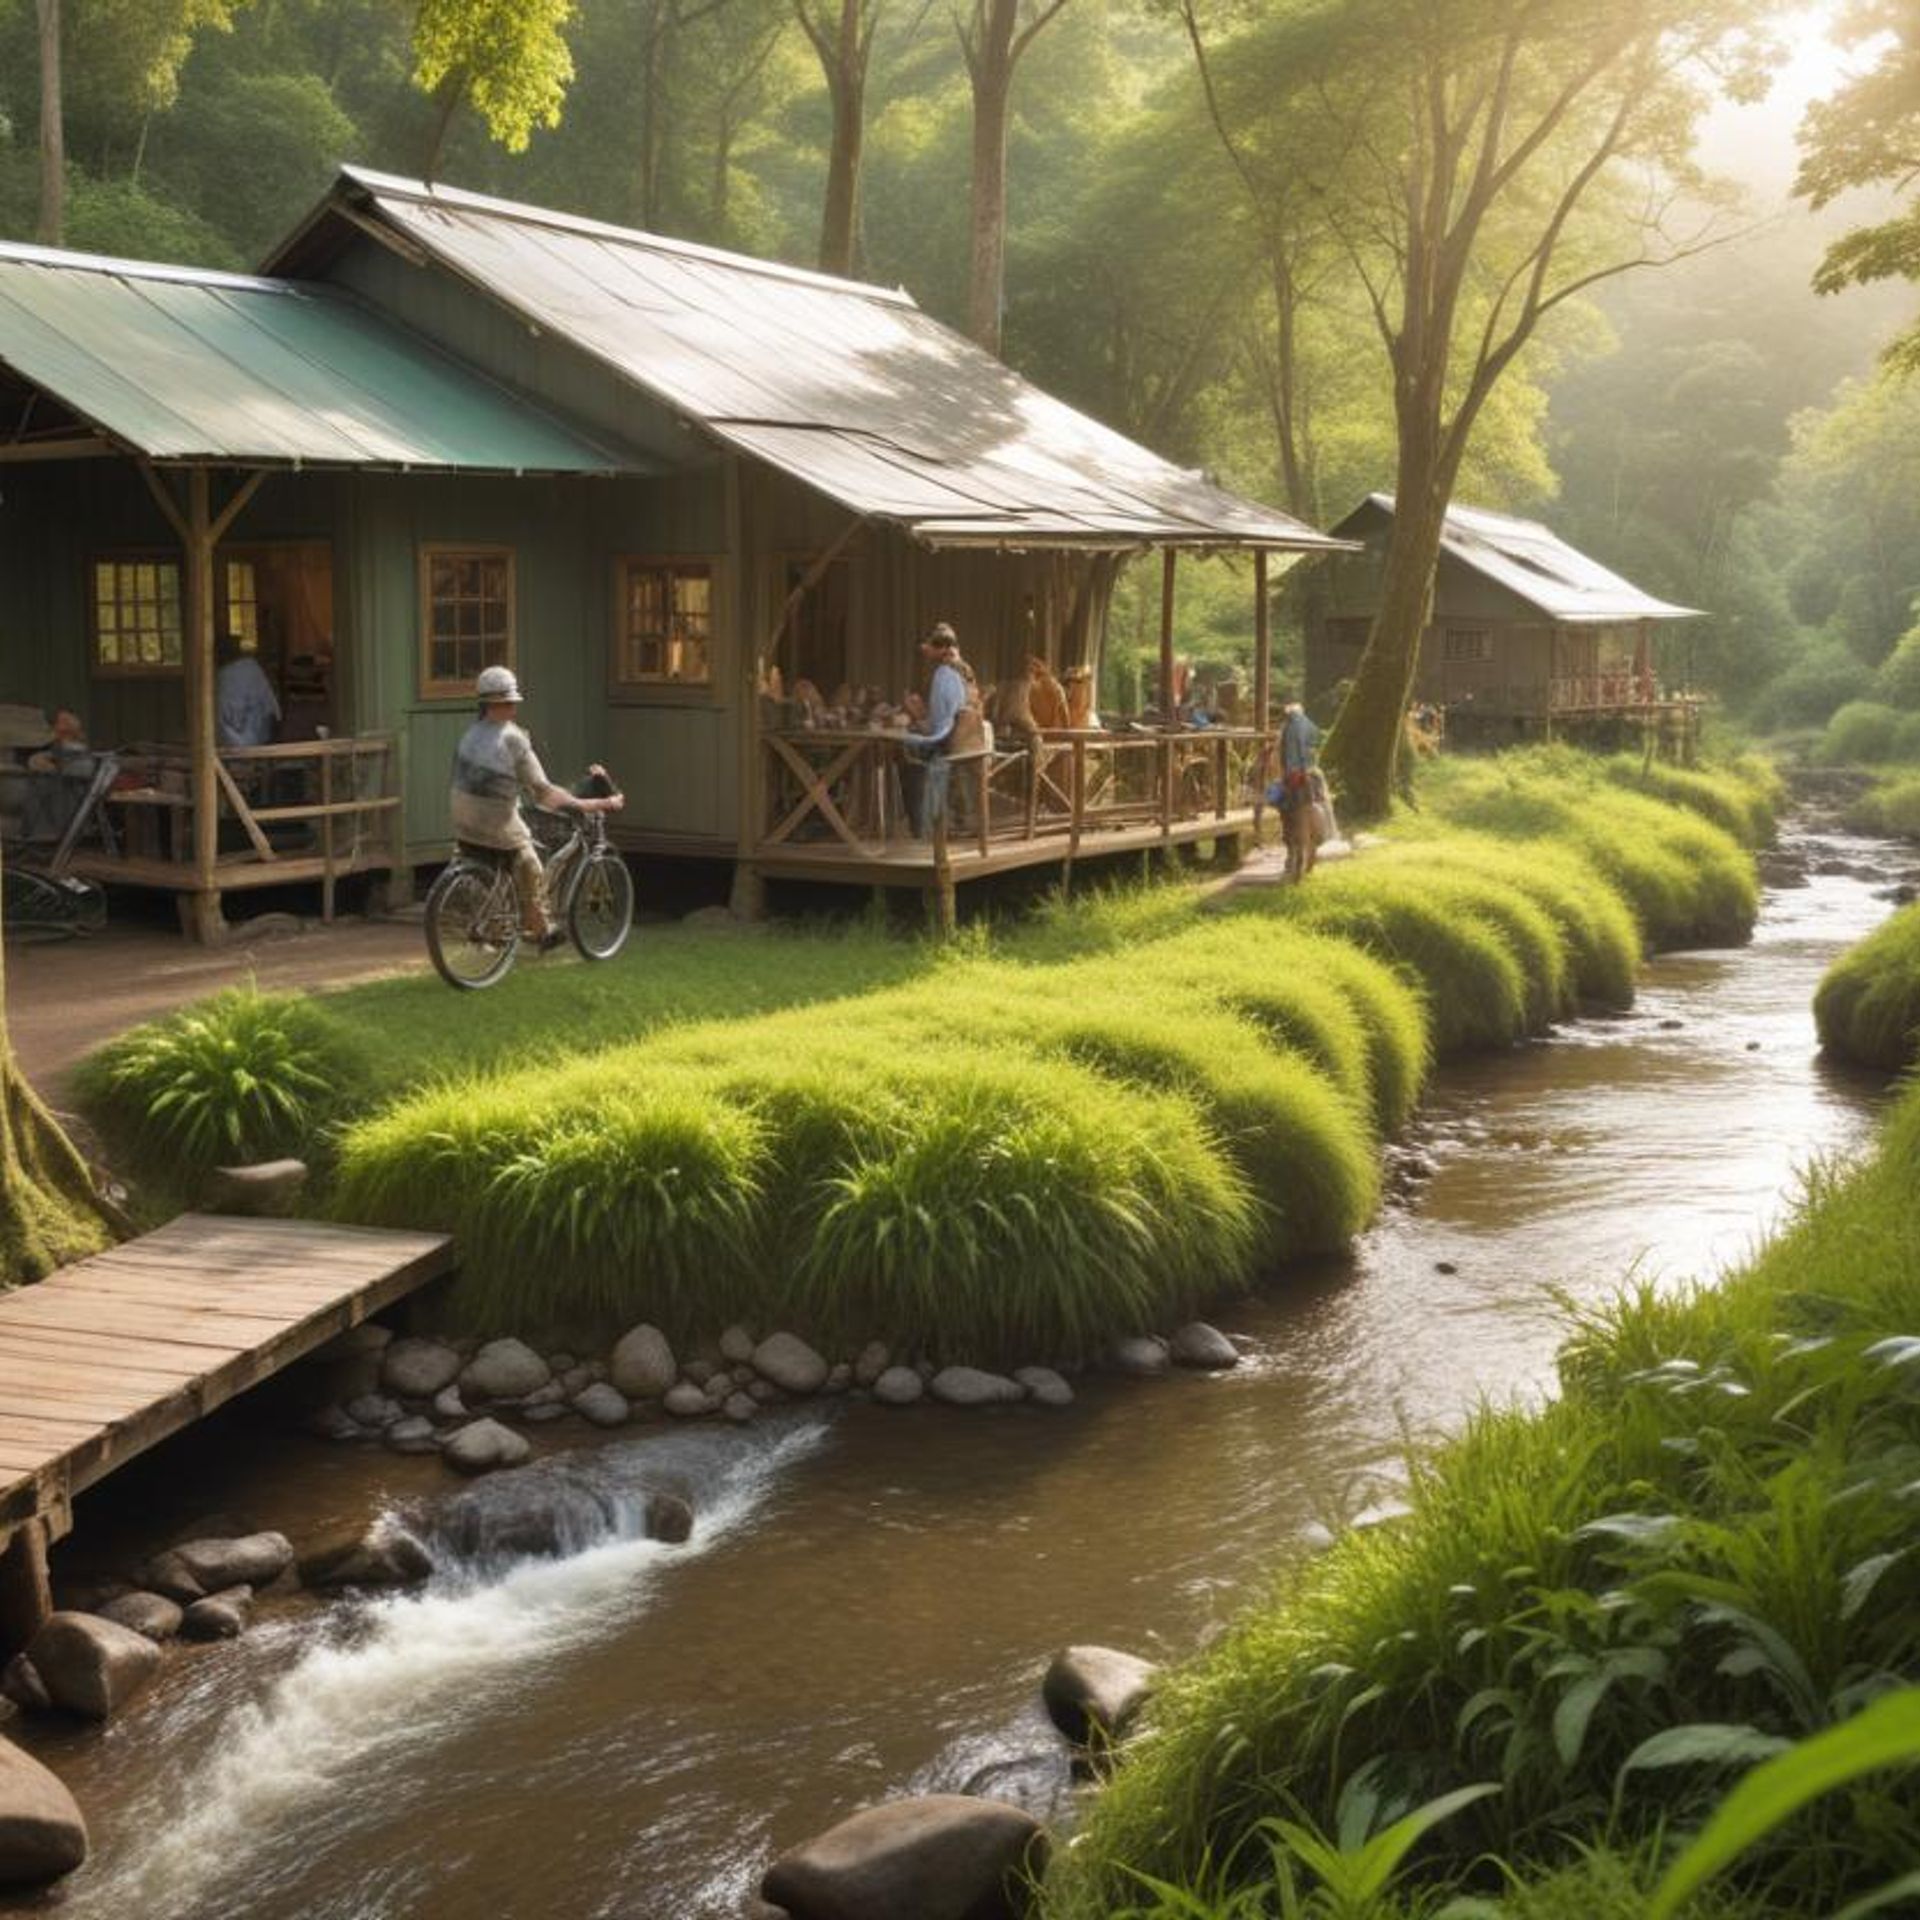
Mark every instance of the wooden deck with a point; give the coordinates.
(106, 1358)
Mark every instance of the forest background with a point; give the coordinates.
(1714, 429)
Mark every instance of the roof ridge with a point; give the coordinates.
(25, 253)
(429, 193)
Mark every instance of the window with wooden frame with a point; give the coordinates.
(663, 624)
(466, 617)
(136, 614)
(242, 604)
(1468, 643)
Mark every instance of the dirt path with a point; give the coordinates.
(64, 999)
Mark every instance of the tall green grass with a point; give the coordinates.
(1891, 806)
(1710, 1530)
(1867, 1007)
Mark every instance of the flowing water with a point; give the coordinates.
(868, 1599)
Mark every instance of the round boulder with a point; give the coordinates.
(503, 1370)
(414, 1434)
(687, 1401)
(447, 1404)
(91, 1666)
(1093, 1693)
(42, 1834)
(483, 1445)
(1140, 1355)
(736, 1345)
(383, 1555)
(603, 1405)
(973, 1387)
(740, 1408)
(871, 1362)
(642, 1364)
(254, 1560)
(220, 1616)
(1045, 1388)
(375, 1409)
(898, 1387)
(669, 1518)
(418, 1369)
(152, 1614)
(937, 1857)
(791, 1364)
(1207, 1348)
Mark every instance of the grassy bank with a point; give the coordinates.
(1890, 806)
(1015, 1145)
(1867, 1008)
(1711, 1529)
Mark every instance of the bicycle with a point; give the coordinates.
(473, 913)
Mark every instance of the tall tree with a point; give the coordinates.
(1483, 162)
(507, 58)
(994, 35)
(53, 129)
(842, 37)
(1867, 134)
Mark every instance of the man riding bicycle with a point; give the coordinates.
(495, 764)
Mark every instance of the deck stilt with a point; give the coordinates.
(26, 1593)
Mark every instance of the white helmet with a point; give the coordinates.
(496, 684)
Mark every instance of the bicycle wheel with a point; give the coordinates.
(600, 911)
(473, 930)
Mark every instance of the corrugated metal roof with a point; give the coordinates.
(1533, 562)
(850, 388)
(181, 365)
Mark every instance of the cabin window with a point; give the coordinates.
(664, 629)
(1469, 643)
(466, 621)
(136, 614)
(243, 604)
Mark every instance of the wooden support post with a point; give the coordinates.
(984, 820)
(326, 833)
(26, 1593)
(1262, 641)
(946, 905)
(1168, 560)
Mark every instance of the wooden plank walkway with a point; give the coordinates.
(104, 1359)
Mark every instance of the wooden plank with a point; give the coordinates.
(59, 1343)
(232, 1292)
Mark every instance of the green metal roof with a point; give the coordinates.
(187, 366)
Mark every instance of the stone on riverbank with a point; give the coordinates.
(1093, 1693)
(669, 1518)
(414, 1434)
(936, 1857)
(899, 1387)
(382, 1555)
(686, 1401)
(152, 1614)
(220, 1616)
(254, 1560)
(1206, 1348)
(736, 1345)
(376, 1410)
(447, 1405)
(740, 1408)
(484, 1445)
(42, 1834)
(974, 1387)
(603, 1404)
(503, 1370)
(792, 1365)
(1140, 1355)
(871, 1362)
(418, 1369)
(1045, 1388)
(91, 1666)
(642, 1365)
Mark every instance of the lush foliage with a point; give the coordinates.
(1889, 806)
(1868, 1006)
(1611, 1606)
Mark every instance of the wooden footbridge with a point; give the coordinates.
(108, 1357)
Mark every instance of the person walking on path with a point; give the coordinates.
(1299, 754)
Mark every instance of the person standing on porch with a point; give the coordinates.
(246, 707)
(493, 765)
(953, 726)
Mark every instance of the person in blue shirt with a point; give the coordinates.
(1299, 752)
(950, 727)
(246, 707)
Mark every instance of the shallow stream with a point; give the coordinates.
(869, 1597)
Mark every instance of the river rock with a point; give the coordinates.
(686, 1401)
(414, 1434)
(255, 1560)
(871, 1362)
(42, 1834)
(1093, 1693)
(447, 1404)
(418, 1369)
(483, 1445)
(763, 1393)
(375, 1410)
(503, 1370)
(20, 1682)
(899, 1387)
(973, 1387)
(940, 1856)
(167, 1573)
(736, 1345)
(1199, 1345)
(544, 1411)
(1140, 1355)
(791, 1364)
(603, 1404)
(839, 1378)
(268, 1187)
(333, 1422)
(1045, 1388)
(740, 1407)
(220, 1616)
(152, 1614)
(642, 1365)
(91, 1666)
(573, 1381)
(669, 1518)
(699, 1371)
(382, 1555)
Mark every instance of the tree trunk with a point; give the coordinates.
(47, 1211)
(991, 65)
(840, 219)
(53, 130)
(453, 90)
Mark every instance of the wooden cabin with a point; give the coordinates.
(1529, 637)
(666, 484)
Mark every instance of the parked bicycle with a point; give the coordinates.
(473, 913)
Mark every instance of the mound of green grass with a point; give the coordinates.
(1867, 1008)
(1606, 1607)
(1890, 806)
(1740, 796)
(1861, 734)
